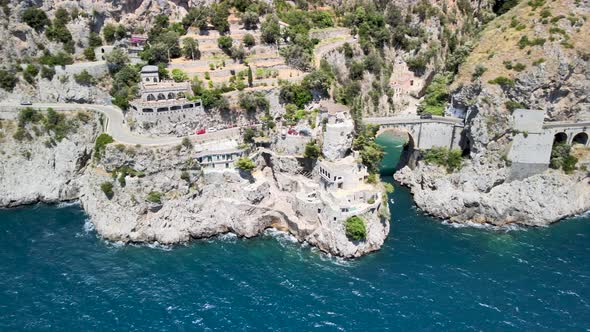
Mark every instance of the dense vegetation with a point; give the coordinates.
(355, 228)
(450, 159)
(561, 158)
(245, 164)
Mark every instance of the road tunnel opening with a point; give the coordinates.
(580, 138)
(560, 138)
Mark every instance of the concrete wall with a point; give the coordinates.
(427, 135)
(529, 154)
(530, 121)
(96, 69)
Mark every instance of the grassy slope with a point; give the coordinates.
(499, 41)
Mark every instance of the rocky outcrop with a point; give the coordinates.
(198, 204)
(483, 197)
(42, 169)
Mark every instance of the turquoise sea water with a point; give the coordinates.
(55, 274)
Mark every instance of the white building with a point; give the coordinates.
(345, 174)
(162, 97)
(338, 136)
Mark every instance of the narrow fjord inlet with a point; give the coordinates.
(58, 275)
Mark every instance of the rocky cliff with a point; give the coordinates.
(166, 198)
(41, 168)
(535, 56)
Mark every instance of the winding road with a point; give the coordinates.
(115, 125)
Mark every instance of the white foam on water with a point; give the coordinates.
(471, 224)
(88, 226)
(67, 204)
(489, 306)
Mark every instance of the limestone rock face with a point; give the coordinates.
(215, 202)
(32, 172)
(535, 201)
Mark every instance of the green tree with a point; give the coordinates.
(225, 43)
(47, 72)
(116, 60)
(190, 48)
(30, 74)
(250, 79)
(108, 33)
(35, 18)
(437, 95)
(84, 78)
(312, 150)
(178, 75)
(249, 40)
(250, 20)
(270, 30)
(7, 80)
(100, 145)
(94, 40)
(355, 228)
(196, 17)
(318, 81)
(245, 164)
(219, 15)
(89, 54)
(61, 16)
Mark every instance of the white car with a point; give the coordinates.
(26, 103)
(211, 130)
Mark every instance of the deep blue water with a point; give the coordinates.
(55, 274)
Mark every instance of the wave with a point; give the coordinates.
(67, 204)
(490, 227)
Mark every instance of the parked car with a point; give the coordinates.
(212, 129)
(426, 116)
(26, 103)
(201, 131)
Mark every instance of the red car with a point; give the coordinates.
(201, 131)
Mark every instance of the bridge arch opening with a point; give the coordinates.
(560, 138)
(398, 145)
(580, 138)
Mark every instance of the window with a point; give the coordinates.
(319, 210)
(186, 106)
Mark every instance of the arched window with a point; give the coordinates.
(171, 95)
(151, 97)
(161, 96)
(180, 95)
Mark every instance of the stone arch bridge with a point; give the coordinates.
(437, 131)
(530, 150)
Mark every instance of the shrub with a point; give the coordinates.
(355, 228)
(503, 81)
(7, 80)
(84, 78)
(178, 75)
(478, 71)
(28, 115)
(89, 54)
(513, 105)
(225, 43)
(35, 18)
(185, 176)
(450, 159)
(249, 40)
(47, 72)
(101, 142)
(245, 164)
(186, 142)
(436, 96)
(561, 158)
(154, 197)
(312, 150)
(388, 187)
(107, 189)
